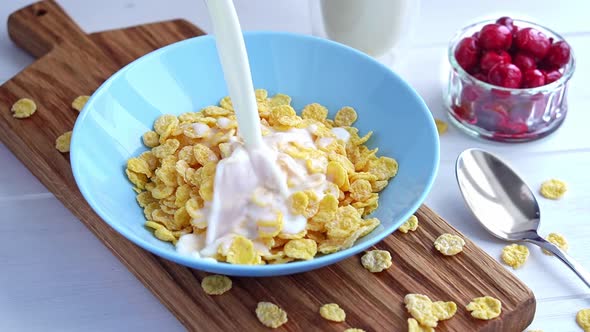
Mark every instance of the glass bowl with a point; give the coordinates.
(505, 114)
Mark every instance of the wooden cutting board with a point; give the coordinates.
(72, 63)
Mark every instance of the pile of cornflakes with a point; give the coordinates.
(175, 178)
(426, 314)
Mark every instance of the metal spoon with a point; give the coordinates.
(504, 204)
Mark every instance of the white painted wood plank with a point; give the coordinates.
(440, 20)
(15, 179)
(424, 69)
(559, 314)
(56, 276)
(545, 275)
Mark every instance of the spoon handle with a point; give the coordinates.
(567, 259)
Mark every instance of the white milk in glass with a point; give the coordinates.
(373, 26)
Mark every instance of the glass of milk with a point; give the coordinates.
(379, 28)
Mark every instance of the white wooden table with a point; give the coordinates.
(55, 276)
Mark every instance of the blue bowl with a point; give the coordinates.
(187, 76)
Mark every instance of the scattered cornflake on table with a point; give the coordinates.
(515, 255)
(270, 314)
(376, 260)
(62, 143)
(333, 312)
(553, 189)
(485, 307)
(410, 225)
(354, 329)
(23, 108)
(558, 240)
(441, 126)
(444, 310)
(583, 319)
(449, 244)
(414, 326)
(421, 308)
(79, 102)
(216, 284)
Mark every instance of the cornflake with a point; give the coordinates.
(62, 143)
(583, 319)
(444, 310)
(515, 255)
(216, 284)
(333, 312)
(174, 180)
(553, 189)
(421, 308)
(23, 108)
(376, 260)
(410, 225)
(441, 126)
(558, 240)
(414, 326)
(345, 117)
(485, 307)
(449, 244)
(354, 329)
(270, 315)
(79, 102)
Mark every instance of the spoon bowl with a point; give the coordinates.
(503, 203)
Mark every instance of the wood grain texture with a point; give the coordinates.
(72, 63)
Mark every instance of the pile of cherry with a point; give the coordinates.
(504, 55)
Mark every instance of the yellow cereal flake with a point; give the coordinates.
(299, 202)
(414, 326)
(216, 284)
(384, 168)
(515, 255)
(485, 307)
(280, 99)
(583, 319)
(376, 260)
(242, 251)
(62, 143)
(204, 155)
(360, 190)
(558, 240)
(444, 310)
(270, 314)
(151, 139)
(354, 329)
(421, 308)
(23, 108)
(314, 111)
(164, 234)
(345, 117)
(79, 102)
(410, 225)
(553, 189)
(441, 126)
(174, 180)
(449, 244)
(304, 249)
(333, 312)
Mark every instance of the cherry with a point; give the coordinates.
(506, 75)
(558, 55)
(551, 76)
(532, 78)
(465, 113)
(495, 37)
(533, 42)
(506, 21)
(481, 76)
(524, 62)
(492, 116)
(467, 53)
(491, 58)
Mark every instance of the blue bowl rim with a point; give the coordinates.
(250, 270)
